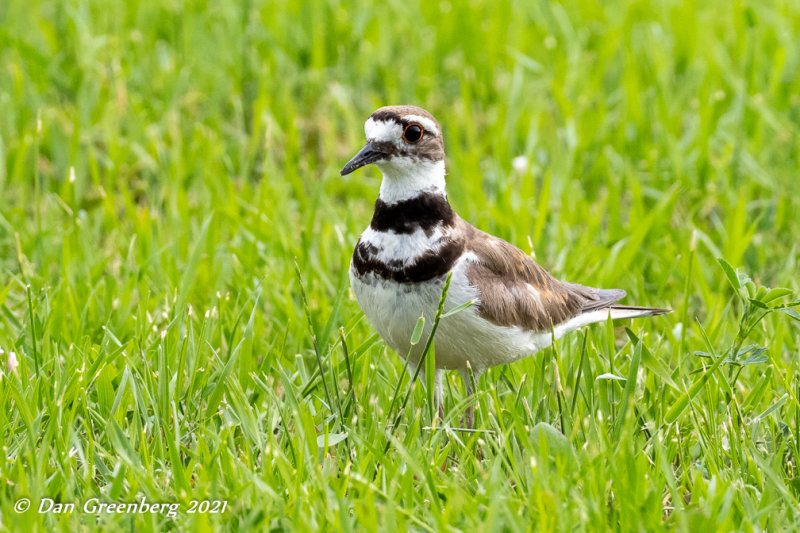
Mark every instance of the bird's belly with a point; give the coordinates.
(394, 308)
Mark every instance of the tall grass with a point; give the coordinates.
(164, 164)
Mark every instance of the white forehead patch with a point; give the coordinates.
(378, 130)
(427, 123)
(391, 131)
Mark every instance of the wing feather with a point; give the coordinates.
(517, 291)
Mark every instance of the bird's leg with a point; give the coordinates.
(469, 375)
(437, 392)
(437, 386)
(469, 414)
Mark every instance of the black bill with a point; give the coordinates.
(366, 156)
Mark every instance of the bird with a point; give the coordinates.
(415, 240)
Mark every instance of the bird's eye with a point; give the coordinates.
(413, 133)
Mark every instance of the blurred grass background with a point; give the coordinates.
(164, 163)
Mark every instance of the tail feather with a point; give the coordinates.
(648, 311)
(621, 312)
(617, 312)
(606, 300)
(600, 303)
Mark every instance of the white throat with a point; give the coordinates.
(405, 178)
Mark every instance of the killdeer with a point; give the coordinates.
(415, 240)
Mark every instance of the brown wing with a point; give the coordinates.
(516, 291)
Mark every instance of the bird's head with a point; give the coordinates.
(405, 143)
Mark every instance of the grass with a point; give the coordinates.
(164, 164)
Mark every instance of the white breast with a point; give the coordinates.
(406, 248)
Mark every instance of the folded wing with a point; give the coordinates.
(516, 291)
